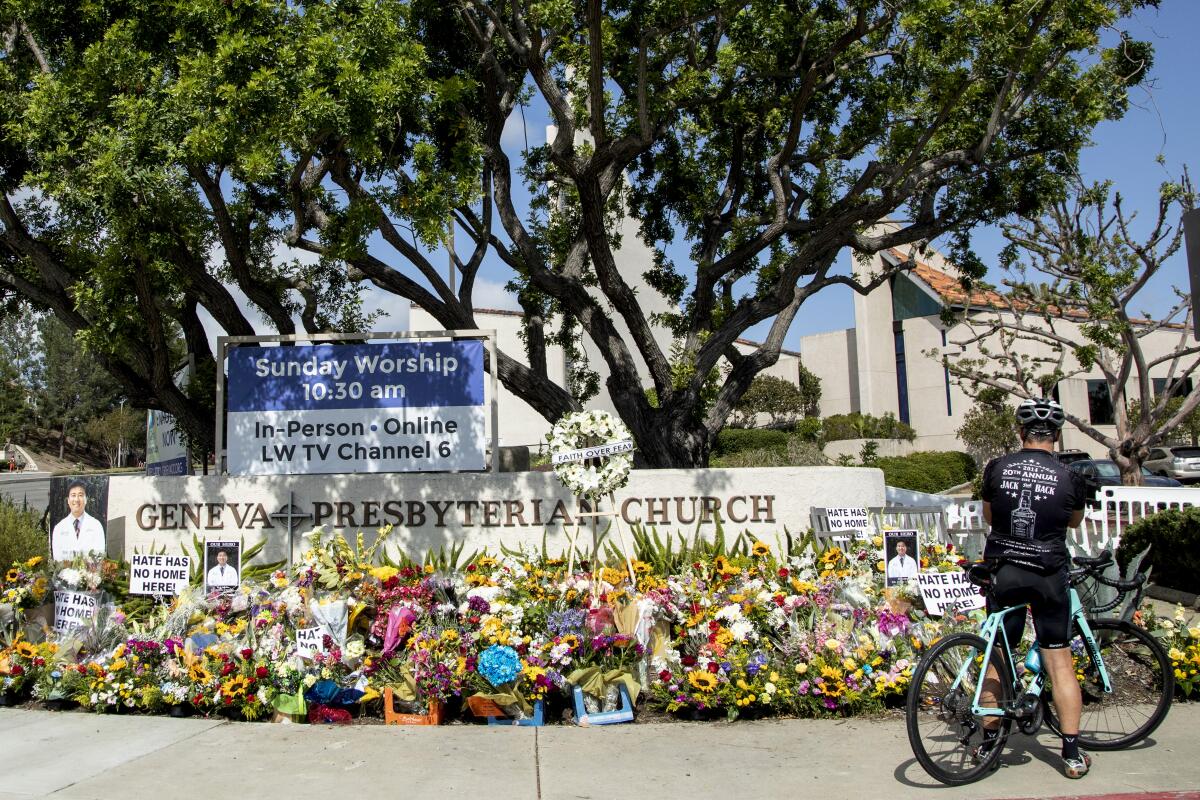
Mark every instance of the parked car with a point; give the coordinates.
(1099, 472)
(1071, 456)
(1181, 463)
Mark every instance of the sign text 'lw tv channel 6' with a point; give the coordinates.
(375, 407)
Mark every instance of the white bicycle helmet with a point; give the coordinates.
(1040, 415)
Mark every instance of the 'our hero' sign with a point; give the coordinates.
(374, 407)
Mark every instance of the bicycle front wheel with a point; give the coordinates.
(1142, 686)
(944, 734)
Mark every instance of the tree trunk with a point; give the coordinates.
(671, 444)
(62, 440)
(1131, 469)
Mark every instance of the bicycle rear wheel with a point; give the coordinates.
(942, 731)
(1142, 682)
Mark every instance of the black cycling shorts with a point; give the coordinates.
(1049, 599)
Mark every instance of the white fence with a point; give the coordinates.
(1121, 506)
(962, 520)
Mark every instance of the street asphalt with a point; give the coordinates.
(79, 756)
(28, 488)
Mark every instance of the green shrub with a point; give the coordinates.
(864, 426)
(795, 454)
(1173, 537)
(741, 440)
(20, 536)
(930, 471)
(809, 429)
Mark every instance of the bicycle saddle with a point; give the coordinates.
(980, 574)
(1104, 558)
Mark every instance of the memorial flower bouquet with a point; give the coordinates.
(111, 681)
(603, 662)
(940, 557)
(25, 584)
(62, 680)
(332, 564)
(21, 663)
(498, 673)
(591, 477)
(84, 573)
(145, 658)
(1180, 636)
(434, 666)
(245, 684)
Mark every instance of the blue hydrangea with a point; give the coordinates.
(561, 623)
(499, 665)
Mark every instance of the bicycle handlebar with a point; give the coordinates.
(1094, 568)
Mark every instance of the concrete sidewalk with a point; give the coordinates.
(78, 756)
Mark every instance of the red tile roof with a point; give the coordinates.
(951, 291)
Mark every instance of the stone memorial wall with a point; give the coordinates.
(480, 510)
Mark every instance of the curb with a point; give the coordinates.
(1186, 599)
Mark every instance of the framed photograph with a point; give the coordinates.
(78, 513)
(902, 556)
(222, 566)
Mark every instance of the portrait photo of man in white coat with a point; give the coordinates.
(222, 566)
(901, 550)
(78, 533)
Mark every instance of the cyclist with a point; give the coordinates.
(1030, 500)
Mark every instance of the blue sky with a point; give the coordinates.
(1163, 118)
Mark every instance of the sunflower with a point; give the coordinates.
(641, 567)
(236, 687)
(612, 576)
(724, 567)
(25, 650)
(33, 562)
(198, 674)
(12, 576)
(761, 549)
(702, 680)
(831, 673)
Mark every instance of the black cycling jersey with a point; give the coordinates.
(1033, 496)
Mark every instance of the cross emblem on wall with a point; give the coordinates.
(290, 516)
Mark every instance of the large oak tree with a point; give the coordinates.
(154, 155)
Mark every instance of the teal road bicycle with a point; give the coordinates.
(1124, 673)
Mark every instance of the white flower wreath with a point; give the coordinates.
(597, 476)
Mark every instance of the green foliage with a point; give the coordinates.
(74, 388)
(809, 429)
(1173, 537)
(21, 538)
(795, 453)
(169, 152)
(780, 400)
(930, 471)
(739, 440)
(1188, 428)
(441, 560)
(865, 426)
(14, 406)
(989, 427)
(117, 431)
